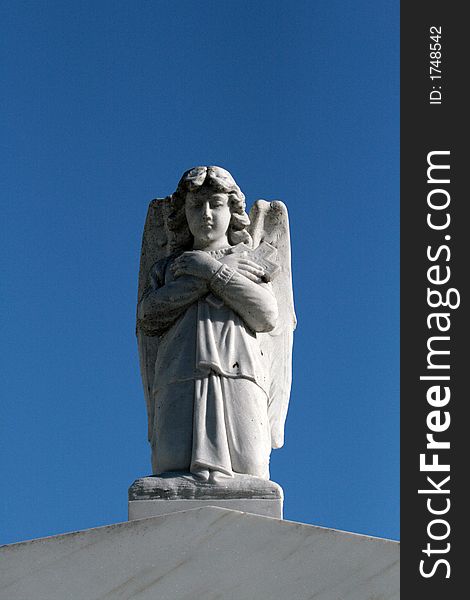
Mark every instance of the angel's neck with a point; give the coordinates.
(210, 245)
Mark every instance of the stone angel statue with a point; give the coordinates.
(215, 322)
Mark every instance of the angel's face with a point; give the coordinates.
(208, 215)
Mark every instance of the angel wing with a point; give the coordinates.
(156, 244)
(270, 223)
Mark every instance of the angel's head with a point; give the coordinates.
(208, 206)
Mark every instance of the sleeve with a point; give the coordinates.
(254, 302)
(163, 303)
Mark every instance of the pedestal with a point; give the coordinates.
(173, 492)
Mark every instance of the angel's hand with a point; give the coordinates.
(245, 266)
(196, 263)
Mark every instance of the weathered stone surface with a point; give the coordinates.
(208, 554)
(171, 492)
(170, 486)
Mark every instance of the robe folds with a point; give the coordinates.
(211, 384)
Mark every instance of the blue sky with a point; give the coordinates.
(104, 105)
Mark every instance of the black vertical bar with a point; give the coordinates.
(425, 128)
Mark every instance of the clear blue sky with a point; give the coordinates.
(104, 105)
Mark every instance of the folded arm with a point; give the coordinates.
(163, 303)
(238, 285)
(254, 302)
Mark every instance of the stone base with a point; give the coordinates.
(142, 509)
(172, 492)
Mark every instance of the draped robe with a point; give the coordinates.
(211, 384)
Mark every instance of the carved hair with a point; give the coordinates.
(218, 180)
